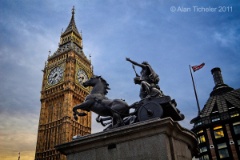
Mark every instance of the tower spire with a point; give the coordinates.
(71, 35)
(72, 25)
(73, 10)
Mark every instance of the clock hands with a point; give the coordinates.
(55, 75)
(82, 76)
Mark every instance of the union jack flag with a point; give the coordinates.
(197, 67)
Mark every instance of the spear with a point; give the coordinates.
(135, 71)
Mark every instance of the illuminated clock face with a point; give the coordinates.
(55, 75)
(82, 76)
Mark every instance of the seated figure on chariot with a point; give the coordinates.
(148, 80)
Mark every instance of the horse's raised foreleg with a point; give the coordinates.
(83, 106)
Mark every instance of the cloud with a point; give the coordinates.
(18, 134)
(228, 37)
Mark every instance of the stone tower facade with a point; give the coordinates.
(218, 124)
(63, 75)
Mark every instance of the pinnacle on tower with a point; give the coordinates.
(220, 86)
(217, 76)
(70, 38)
(72, 25)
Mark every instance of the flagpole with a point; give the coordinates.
(195, 92)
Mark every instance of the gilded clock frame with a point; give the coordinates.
(49, 71)
(78, 67)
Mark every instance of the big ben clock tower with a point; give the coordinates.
(63, 75)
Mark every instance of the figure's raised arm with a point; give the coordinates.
(135, 63)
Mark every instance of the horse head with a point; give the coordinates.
(98, 83)
(92, 81)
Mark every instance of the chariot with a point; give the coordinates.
(148, 108)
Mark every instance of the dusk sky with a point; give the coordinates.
(169, 34)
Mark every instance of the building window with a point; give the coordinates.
(198, 123)
(215, 119)
(199, 132)
(203, 149)
(204, 157)
(201, 139)
(222, 150)
(218, 132)
(236, 127)
(234, 115)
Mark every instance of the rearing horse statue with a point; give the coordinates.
(101, 105)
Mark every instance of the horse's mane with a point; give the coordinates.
(104, 82)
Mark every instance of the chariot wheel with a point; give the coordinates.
(150, 110)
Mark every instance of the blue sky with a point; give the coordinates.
(113, 30)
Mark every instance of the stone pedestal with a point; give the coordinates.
(155, 139)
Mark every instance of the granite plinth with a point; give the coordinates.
(155, 139)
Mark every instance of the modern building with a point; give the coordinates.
(218, 124)
(63, 75)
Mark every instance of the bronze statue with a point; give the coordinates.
(148, 80)
(116, 112)
(97, 102)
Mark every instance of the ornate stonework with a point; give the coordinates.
(61, 90)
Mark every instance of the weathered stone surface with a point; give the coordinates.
(156, 139)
